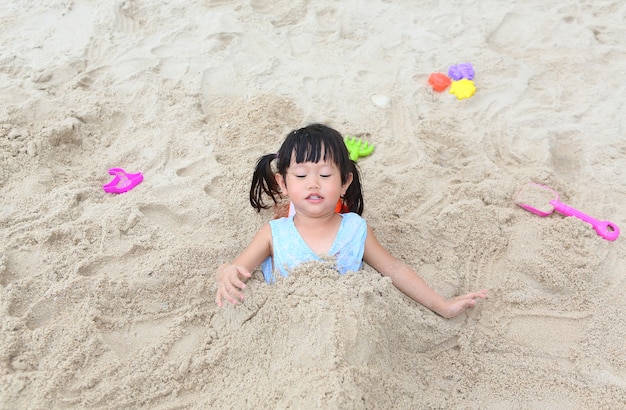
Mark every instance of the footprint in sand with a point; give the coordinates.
(217, 3)
(95, 60)
(549, 334)
(283, 12)
(120, 264)
(566, 154)
(124, 18)
(512, 32)
(327, 18)
(42, 312)
(212, 189)
(203, 168)
(127, 343)
(88, 79)
(162, 216)
(172, 65)
(300, 41)
(13, 265)
(194, 169)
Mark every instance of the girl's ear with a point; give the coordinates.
(344, 187)
(281, 183)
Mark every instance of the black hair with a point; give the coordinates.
(312, 143)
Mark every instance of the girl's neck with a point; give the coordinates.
(318, 233)
(300, 219)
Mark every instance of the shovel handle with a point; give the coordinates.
(606, 229)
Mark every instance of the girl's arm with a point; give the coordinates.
(409, 282)
(231, 277)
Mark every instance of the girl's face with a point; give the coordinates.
(313, 187)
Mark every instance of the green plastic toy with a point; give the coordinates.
(358, 148)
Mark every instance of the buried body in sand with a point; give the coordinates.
(315, 172)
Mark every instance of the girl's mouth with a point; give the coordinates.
(314, 197)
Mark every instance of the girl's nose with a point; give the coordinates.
(314, 183)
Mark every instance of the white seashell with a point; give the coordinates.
(381, 101)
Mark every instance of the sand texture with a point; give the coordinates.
(107, 301)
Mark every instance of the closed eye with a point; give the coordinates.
(325, 175)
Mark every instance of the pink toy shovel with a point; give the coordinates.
(122, 181)
(542, 201)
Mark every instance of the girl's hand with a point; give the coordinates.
(459, 304)
(230, 283)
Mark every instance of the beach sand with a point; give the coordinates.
(107, 301)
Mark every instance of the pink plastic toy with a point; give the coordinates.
(122, 181)
(537, 194)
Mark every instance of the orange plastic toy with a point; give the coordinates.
(439, 81)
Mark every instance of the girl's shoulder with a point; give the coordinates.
(282, 221)
(354, 220)
(352, 216)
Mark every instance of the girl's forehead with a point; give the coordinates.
(320, 163)
(313, 150)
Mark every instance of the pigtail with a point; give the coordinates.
(264, 183)
(353, 198)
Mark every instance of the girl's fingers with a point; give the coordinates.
(241, 271)
(231, 285)
(226, 296)
(229, 292)
(482, 294)
(233, 294)
(238, 284)
(460, 303)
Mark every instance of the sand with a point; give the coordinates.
(107, 301)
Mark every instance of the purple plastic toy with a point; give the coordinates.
(122, 181)
(460, 71)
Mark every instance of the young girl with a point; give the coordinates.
(315, 171)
